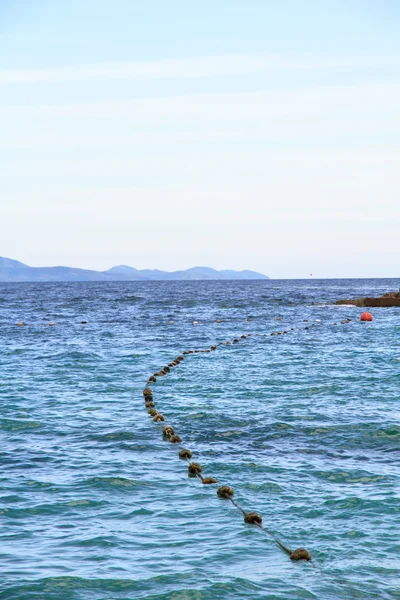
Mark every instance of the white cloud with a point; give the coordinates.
(195, 67)
(313, 102)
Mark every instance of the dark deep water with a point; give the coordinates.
(95, 505)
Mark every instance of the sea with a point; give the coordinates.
(95, 503)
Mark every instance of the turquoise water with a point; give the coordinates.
(96, 505)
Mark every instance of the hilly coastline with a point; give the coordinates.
(15, 271)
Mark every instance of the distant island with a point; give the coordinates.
(13, 270)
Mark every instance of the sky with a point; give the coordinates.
(235, 134)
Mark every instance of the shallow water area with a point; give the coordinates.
(96, 505)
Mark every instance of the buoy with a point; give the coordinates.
(185, 453)
(20, 324)
(225, 491)
(168, 431)
(252, 517)
(195, 322)
(208, 480)
(300, 554)
(366, 316)
(51, 324)
(194, 468)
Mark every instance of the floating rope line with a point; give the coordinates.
(256, 519)
(194, 469)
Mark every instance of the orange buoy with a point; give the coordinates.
(366, 316)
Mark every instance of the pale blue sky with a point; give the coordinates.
(233, 134)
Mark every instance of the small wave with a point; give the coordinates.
(365, 506)
(267, 487)
(56, 509)
(129, 299)
(349, 477)
(113, 436)
(16, 425)
(116, 482)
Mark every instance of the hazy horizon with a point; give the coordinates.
(236, 135)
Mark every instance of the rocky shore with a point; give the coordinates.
(387, 300)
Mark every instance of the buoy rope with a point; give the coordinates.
(194, 468)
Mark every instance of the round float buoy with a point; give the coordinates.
(185, 453)
(366, 316)
(208, 480)
(225, 492)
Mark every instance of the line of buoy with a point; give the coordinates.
(194, 468)
(50, 324)
(365, 316)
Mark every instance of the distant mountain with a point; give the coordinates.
(13, 270)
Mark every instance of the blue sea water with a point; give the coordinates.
(96, 505)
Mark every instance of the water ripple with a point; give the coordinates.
(96, 505)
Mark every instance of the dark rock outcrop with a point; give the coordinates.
(387, 300)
